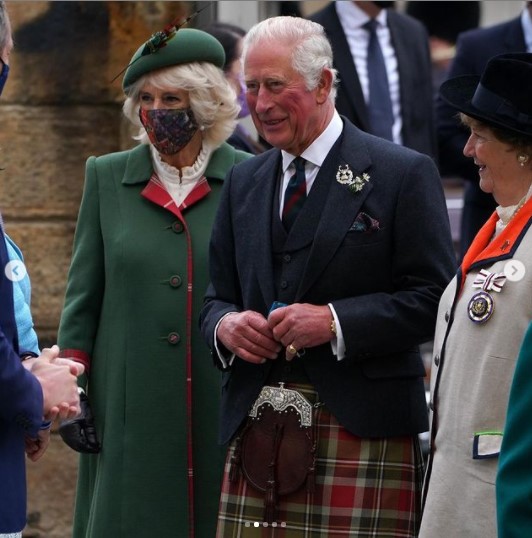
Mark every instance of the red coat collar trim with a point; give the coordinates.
(483, 248)
(156, 193)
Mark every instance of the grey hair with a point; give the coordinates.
(5, 28)
(310, 48)
(212, 98)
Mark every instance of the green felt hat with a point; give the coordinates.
(187, 45)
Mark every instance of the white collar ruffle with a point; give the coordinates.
(188, 174)
(179, 183)
(508, 212)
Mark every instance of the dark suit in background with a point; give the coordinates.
(473, 50)
(444, 21)
(410, 42)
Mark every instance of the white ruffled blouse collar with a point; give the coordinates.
(180, 183)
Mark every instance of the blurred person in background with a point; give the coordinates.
(396, 104)
(134, 293)
(231, 36)
(473, 50)
(444, 21)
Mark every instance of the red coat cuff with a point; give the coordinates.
(77, 355)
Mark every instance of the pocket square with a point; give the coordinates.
(365, 223)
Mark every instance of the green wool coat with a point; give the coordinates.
(126, 312)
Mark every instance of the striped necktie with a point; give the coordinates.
(380, 103)
(295, 193)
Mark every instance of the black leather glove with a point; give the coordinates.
(79, 433)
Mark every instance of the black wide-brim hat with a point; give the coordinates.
(501, 96)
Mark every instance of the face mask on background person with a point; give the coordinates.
(168, 129)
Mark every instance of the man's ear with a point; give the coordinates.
(324, 86)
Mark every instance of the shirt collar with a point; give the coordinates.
(351, 16)
(526, 22)
(319, 149)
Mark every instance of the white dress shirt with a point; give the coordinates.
(526, 22)
(352, 19)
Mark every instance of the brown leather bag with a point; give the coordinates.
(275, 453)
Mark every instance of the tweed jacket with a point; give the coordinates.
(473, 366)
(514, 481)
(410, 41)
(383, 281)
(21, 409)
(134, 292)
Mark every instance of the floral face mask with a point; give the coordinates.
(169, 130)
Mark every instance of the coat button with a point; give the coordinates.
(175, 281)
(177, 227)
(284, 284)
(287, 258)
(447, 316)
(173, 338)
(437, 360)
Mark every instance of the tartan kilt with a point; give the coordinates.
(363, 487)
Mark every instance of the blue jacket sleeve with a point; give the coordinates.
(21, 397)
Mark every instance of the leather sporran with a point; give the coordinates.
(276, 450)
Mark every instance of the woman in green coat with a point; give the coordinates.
(134, 292)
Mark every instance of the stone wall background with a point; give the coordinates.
(59, 107)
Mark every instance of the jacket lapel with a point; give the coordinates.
(138, 167)
(405, 66)
(263, 189)
(515, 39)
(341, 206)
(344, 63)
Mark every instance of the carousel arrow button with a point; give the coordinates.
(514, 270)
(15, 270)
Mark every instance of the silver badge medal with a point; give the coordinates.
(481, 306)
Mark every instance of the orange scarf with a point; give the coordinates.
(485, 248)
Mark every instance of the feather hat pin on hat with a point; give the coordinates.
(173, 46)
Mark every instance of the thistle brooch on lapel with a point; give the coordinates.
(355, 184)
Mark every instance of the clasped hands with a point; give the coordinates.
(58, 379)
(256, 339)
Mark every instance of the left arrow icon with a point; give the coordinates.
(15, 270)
